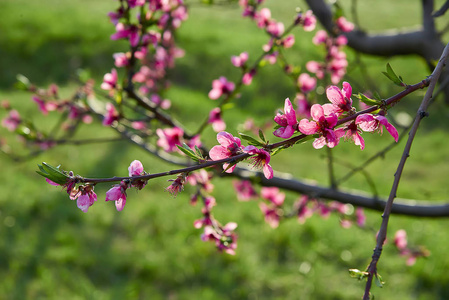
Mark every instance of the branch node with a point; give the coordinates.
(423, 114)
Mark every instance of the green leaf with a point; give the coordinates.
(355, 273)
(52, 173)
(188, 151)
(22, 83)
(367, 100)
(198, 152)
(392, 76)
(277, 150)
(250, 140)
(261, 135)
(227, 106)
(379, 282)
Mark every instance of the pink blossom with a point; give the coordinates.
(139, 125)
(116, 15)
(41, 104)
(156, 99)
(215, 119)
(120, 59)
(244, 189)
(239, 61)
(201, 178)
(352, 133)
(134, 3)
(109, 80)
(344, 24)
(194, 141)
(221, 86)
(118, 194)
(276, 29)
(52, 182)
(288, 41)
(263, 17)
(317, 68)
(307, 20)
(322, 125)
(12, 121)
(287, 121)
(340, 99)
(400, 239)
(304, 212)
(272, 57)
(224, 237)
(130, 32)
(177, 184)
(135, 168)
(111, 115)
(303, 106)
(273, 195)
(247, 78)
(260, 159)
(86, 199)
(169, 138)
(360, 217)
(271, 214)
(229, 146)
(306, 83)
(370, 123)
(320, 37)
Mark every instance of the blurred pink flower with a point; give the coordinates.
(221, 86)
(215, 119)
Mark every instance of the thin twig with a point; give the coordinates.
(421, 113)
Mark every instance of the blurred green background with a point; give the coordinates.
(49, 249)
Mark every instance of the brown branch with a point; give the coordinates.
(372, 269)
(407, 207)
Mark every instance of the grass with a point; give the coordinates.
(50, 250)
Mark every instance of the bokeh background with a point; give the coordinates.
(49, 249)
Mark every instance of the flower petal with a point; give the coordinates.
(308, 127)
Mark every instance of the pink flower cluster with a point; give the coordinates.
(272, 211)
(83, 194)
(306, 207)
(231, 146)
(325, 118)
(153, 47)
(221, 87)
(223, 236)
(335, 62)
(118, 192)
(169, 138)
(400, 241)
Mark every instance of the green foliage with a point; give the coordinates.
(51, 250)
(392, 76)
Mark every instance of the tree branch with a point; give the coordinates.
(421, 113)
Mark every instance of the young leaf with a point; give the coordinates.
(52, 173)
(250, 140)
(198, 152)
(379, 281)
(392, 76)
(188, 151)
(355, 273)
(22, 83)
(261, 135)
(367, 100)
